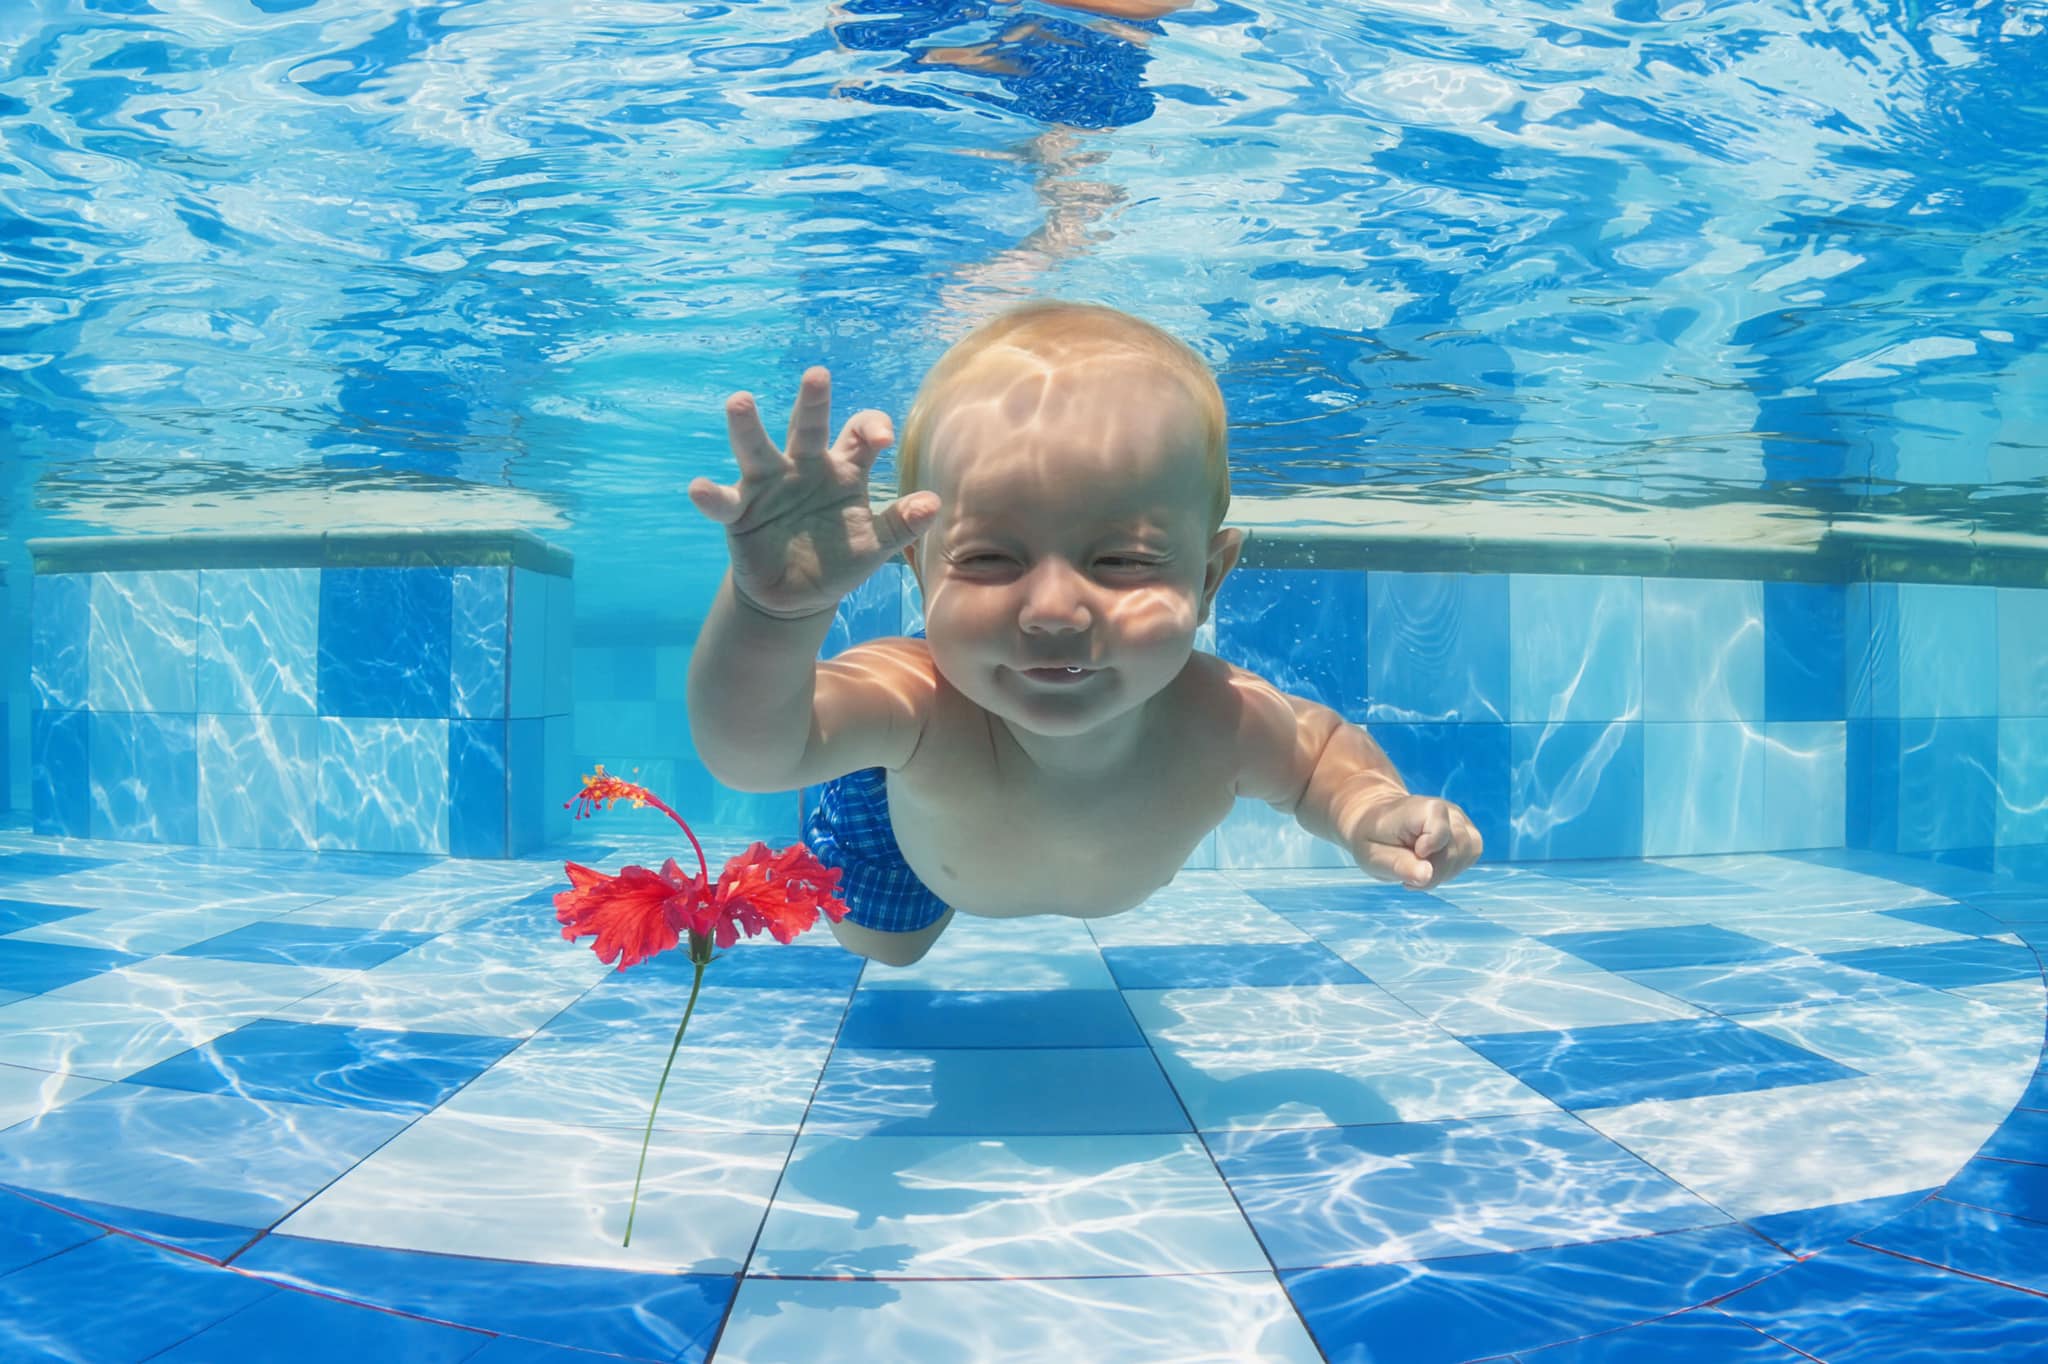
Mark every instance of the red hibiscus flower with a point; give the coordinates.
(639, 913)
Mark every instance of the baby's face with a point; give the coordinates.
(1074, 533)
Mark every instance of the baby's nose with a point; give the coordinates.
(1055, 599)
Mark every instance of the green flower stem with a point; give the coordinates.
(699, 960)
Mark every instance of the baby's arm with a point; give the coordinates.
(1306, 760)
(764, 714)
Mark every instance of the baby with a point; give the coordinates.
(1057, 745)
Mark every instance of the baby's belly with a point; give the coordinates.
(1006, 887)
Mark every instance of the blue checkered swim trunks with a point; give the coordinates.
(849, 829)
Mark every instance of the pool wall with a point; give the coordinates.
(1578, 715)
(366, 693)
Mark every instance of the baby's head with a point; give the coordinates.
(1017, 356)
(1078, 455)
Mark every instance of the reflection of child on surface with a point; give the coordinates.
(1057, 745)
(1073, 76)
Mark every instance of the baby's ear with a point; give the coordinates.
(1224, 547)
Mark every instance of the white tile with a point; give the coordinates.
(456, 986)
(459, 1185)
(1208, 1319)
(1318, 1056)
(1193, 920)
(1394, 949)
(1802, 1146)
(985, 1207)
(1041, 952)
(145, 933)
(1813, 888)
(1946, 1048)
(1470, 1003)
(600, 1083)
(1803, 931)
(30, 1093)
(2023, 997)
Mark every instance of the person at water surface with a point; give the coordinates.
(1055, 744)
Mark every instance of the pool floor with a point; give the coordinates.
(354, 1107)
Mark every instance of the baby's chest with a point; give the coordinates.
(991, 846)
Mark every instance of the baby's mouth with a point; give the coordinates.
(1059, 676)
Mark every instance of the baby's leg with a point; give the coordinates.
(890, 949)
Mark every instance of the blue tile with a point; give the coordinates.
(215, 1157)
(1410, 1191)
(1806, 1231)
(60, 772)
(1648, 880)
(1990, 1245)
(527, 639)
(30, 1231)
(216, 1241)
(1003, 1092)
(319, 1330)
(1872, 789)
(1948, 786)
(479, 682)
(259, 635)
(1577, 648)
(1254, 963)
(1471, 1306)
(989, 1018)
(1625, 1063)
(1302, 629)
(1644, 949)
(145, 777)
(1873, 1308)
(296, 944)
(1361, 897)
(479, 763)
(1698, 1337)
(28, 866)
(1703, 655)
(641, 1315)
(1950, 918)
(1804, 651)
(1871, 642)
(60, 622)
(528, 799)
(2023, 1136)
(1469, 765)
(2002, 1186)
(273, 1060)
(1578, 791)
(1755, 987)
(1971, 961)
(259, 781)
(765, 968)
(117, 1299)
(144, 641)
(1436, 648)
(34, 967)
(384, 641)
(20, 914)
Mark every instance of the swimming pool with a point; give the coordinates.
(1637, 412)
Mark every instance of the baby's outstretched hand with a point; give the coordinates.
(798, 525)
(1416, 840)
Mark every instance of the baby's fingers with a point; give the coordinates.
(720, 503)
(1391, 862)
(756, 454)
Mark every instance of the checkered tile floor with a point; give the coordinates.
(309, 1107)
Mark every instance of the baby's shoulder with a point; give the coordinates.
(1258, 724)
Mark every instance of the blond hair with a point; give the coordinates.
(1058, 332)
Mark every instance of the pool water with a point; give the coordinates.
(336, 1106)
